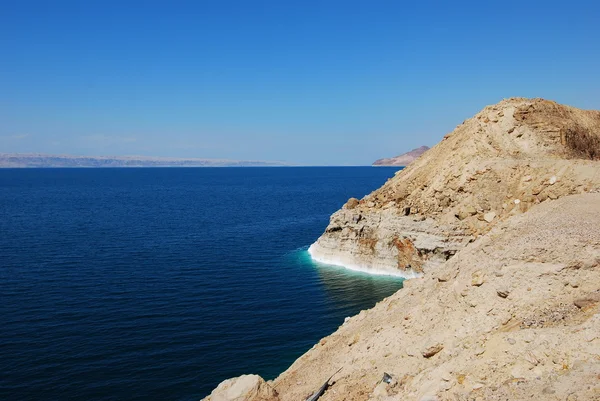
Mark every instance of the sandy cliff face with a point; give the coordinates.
(501, 162)
(514, 195)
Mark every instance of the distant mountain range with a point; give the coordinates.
(403, 159)
(44, 160)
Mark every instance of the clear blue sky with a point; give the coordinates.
(308, 82)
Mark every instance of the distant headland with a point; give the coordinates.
(402, 160)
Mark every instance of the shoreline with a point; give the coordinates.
(358, 268)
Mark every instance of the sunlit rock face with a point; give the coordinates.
(501, 162)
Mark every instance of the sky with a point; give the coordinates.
(306, 82)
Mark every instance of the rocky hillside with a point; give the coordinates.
(514, 314)
(506, 159)
(404, 159)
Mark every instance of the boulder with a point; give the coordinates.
(432, 350)
(352, 203)
(243, 388)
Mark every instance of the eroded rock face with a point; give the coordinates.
(386, 242)
(500, 163)
(243, 388)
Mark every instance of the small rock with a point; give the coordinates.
(511, 341)
(536, 190)
(591, 300)
(517, 201)
(506, 318)
(444, 276)
(477, 278)
(489, 217)
(552, 180)
(410, 351)
(466, 212)
(479, 350)
(353, 340)
(432, 350)
(477, 386)
(352, 203)
(502, 292)
(527, 178)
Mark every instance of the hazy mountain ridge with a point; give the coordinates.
(23, 160)
(402, 160)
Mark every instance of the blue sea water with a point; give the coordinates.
(157, 284)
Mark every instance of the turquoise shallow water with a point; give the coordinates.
(157, 284)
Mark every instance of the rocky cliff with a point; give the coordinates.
(404, 159)
(514, 314)
(501, 162)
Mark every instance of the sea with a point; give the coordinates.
(159, 283)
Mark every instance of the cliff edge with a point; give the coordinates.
(512, 309)
(507, 158)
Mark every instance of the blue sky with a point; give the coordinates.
(308, 82)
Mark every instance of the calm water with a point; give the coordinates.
(157, 284)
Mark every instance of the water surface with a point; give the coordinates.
(157, 284)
